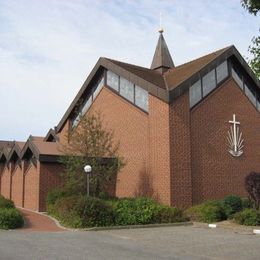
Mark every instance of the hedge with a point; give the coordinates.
(210, 211)
(248, 217)
(80, 211)
(5, 203)
(10, 218)
(232, 204)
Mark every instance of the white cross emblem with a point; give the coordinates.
(235, 140)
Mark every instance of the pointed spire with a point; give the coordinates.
(162, 60)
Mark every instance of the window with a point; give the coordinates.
(222, 71)
(258, 103)
(127, 89)
(249, 92)
(208, 82)
(195, 93)
(112, 80)
(237, 78)
(98, 88)
(75, 121)
(141, 98)
(86, 105)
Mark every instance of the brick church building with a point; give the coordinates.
(188, 133)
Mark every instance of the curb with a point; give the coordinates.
(139, 226)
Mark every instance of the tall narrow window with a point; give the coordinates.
(208, 82)
(141, 98)
(222, 71)
(250, 93)
(127, 89)
(86, 105)
(113, 80)
(98, 88)
(237, 78)
(195, 93)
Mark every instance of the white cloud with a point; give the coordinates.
(47, 48)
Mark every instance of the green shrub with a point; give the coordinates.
(5, 203)
(247, 203)
(210, 211)
(248, 217)
(232, 204)
(80, 211)
(165, 214)
(10, 218)
(134, 211)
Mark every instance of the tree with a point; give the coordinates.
(90, 143)
(253, 7)
(252, 185)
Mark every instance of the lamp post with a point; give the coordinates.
(87, 170)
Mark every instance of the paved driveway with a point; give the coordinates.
(154, 243)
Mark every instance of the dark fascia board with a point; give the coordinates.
(232, 51)
(107, 64)
(50, 158)
(52, 133)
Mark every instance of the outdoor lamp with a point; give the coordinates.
(87, 170)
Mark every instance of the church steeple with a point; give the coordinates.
(162, 60)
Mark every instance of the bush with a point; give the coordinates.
(6, 203)
(252, 185)
(208, 212)
(135, 211)
(247, 203)
(144, 211)
(80, 211)
(232, 204)
(10, 218)
(165, 214)
(248, 217)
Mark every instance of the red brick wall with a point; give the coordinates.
(215, 172)
(144, 144)
(181, 183)
(17, 186)
(49, 179)
(31, 187)
(130, 128)
(2, 165)
(6, 182)
(159, 149)
(63, 134)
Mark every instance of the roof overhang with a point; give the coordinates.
(104, 63)
(230, 52)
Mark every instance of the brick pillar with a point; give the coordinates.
(159, 149)
(180, 145)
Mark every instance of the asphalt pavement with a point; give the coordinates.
(185, 242)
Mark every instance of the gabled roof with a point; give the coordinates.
(51, 135)
(162, 59)
(5, 144)
(168, 86)
(43, 151)
(178, 74)
(16, 149)
(143, 77)
(5, 150)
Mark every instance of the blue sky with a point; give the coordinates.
(47, 48)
